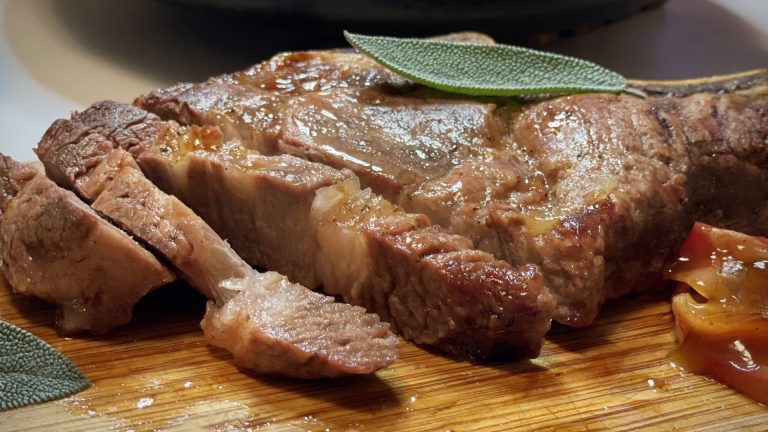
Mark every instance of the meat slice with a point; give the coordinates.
(265, 216)
(249, 310)
(321, 229)
(279, 327)
(597, 189)
(54, 247)
(202, 258)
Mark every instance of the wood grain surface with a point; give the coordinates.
(158, 373)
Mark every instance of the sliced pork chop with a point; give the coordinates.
(315, 224)
(249, 310)
(597, 189)
(54, 247)
(261, 205)
(319, 227)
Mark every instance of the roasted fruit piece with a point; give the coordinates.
(721, 308)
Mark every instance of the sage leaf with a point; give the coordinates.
(486, 69)
(31, 371)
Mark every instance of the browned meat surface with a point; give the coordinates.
(315, 224)
(54, 247)
(727, 144)
(74, 150)
(597, 189)
(250, 309)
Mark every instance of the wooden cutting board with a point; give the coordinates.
(158, 373)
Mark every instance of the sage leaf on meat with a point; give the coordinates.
(31, 371)
(487, 69)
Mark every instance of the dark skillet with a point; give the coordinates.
(501, 18)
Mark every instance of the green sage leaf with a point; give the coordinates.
(487, 70)
(31, 371)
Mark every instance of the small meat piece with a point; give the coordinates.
(229, 189)
(72, 149)
(208, 263)
(298, 332)
(54, 247)
(432, 284)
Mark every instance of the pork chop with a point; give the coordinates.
(597, 189)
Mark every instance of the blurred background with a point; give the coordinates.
(62, 55)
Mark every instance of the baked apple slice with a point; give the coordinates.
(721, 308)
